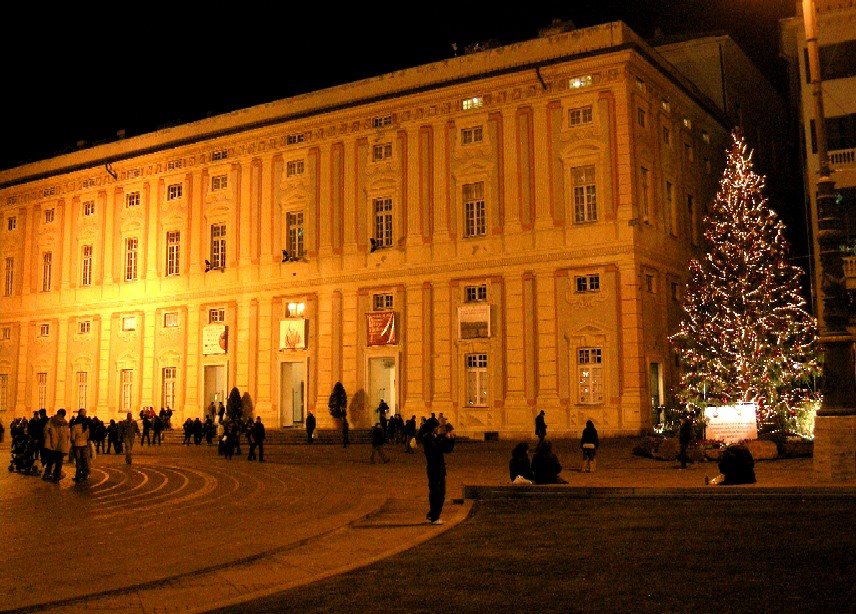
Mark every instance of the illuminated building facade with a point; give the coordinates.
(487, 236)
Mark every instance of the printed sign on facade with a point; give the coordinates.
(381, 328)
(214, 339)
(474, 321)
(292, 334)
(731, 423)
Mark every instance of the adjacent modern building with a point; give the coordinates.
(486, 236)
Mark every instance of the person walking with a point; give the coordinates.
(378, 439)
(80, 432)
(113, 437)
(589, 444)
(57, 444)
(310, 427)
(540, 426)
(436, 443)
(685, 438)
(128, 432)
(257, 433)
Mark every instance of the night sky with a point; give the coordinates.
(73, 73)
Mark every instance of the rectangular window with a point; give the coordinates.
(667, 136)
(4, 391)
(44, 330)
(9, 277)
(841, 132)
(475, 294)
(476, 102)
(47, 259)
(671, 216)
(127, 389)
(382, 302)
(837, 61)
(42, 379)
(295, 310)
(173, 192)
(131, 259)
(688, 124)
(216, 315)
(82, 388)
(11, 223)
(170, 319)
(640, 85)
(132, 199)
(129, 323)
(173, 165)
(173, 253)
(705, 136)
(676, 291)
(86, 266)
(644, 194)
(83, 327)
(580, 81)
(585, 194)
(294, 139)
(219, 182)
(89, 208)
(380, 122)
(665, 105)
(220, 154)
(293, 168)
(383, 222)
(691, 220)
(168, 382)
(218, 246)
(475, 215)
(649, 283)
(471, 135)
(688, 152)
(381, 152)
(590, 372)
(294, 234)
(5, 333)
(580, 116)
(640, 117)
(49, 216)
(588, 283)
(477, 380)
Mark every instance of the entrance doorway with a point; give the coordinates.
(381, 383)
(215, 386)
(292, 393)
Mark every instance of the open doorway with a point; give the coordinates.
(381, 384)
(292, 393)
(215, 386)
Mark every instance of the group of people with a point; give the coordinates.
(544, 467)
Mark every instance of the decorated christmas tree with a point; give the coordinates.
(745, 333)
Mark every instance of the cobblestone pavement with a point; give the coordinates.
(159, 535)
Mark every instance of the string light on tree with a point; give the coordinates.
(745, 333)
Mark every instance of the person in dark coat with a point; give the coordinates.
(685, 438)
(589, 443)
(257, 440)
(378, 439)
(545, 465)
(310, 427)
(382, 415)
(436, 443)
(520, 465)
(737, 466)
(540, 426)
(113, 438)
(410, 434)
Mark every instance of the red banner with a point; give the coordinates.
(381, 328)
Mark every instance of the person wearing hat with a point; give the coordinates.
(80, 441)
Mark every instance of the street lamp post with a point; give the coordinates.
(835, 423)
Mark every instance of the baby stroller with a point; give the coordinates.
(23, 453)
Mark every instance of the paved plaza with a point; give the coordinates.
(185, 530)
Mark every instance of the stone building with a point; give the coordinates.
(486, 236)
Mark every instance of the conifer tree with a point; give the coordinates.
(745, 333)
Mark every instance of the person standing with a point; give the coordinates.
(378, 439)
(589, 444)
(540, 426)
(436, 443)
(310, 427)
(80, 432)
(128, 431)
(113, 437)
(57, 444)
(257, 441)
(685, 438)
(157, 427)
(382, 413)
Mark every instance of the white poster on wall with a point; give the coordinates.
(214, 339)
(731, 423)
(292, 334)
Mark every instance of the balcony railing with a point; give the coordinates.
(843, 157)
